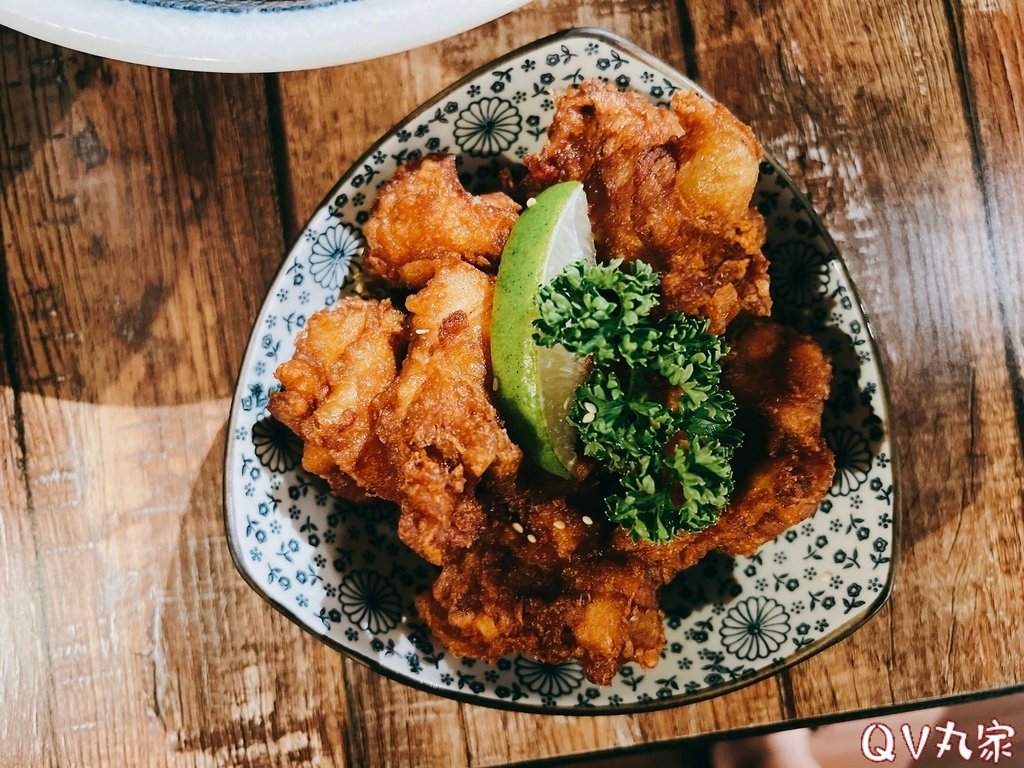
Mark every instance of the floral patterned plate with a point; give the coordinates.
(340, 572)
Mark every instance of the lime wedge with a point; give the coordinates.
(535, 385)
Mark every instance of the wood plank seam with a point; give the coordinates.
(464, 727)
(965, 81)
(787, 698)
(688, 37)
(279, 154)
(7, 317)
(356, 752)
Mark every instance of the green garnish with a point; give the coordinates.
(672, 462)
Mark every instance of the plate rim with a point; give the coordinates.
(835, 636)
(239, 42)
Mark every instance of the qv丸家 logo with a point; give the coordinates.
(994, 742)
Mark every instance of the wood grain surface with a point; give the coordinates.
(143, 213)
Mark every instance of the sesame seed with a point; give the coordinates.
(531, 538)
(587, 520)
(422, 331)
(590, 407)
(588, 417)
(531, 202)
(494, 384)
(517, 527)
(559, 525)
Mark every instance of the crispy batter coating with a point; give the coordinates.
(784, 468)
(423, 435)
(780, 380)
(344, 358)
(423, 216)
(541, 581)
(589, 592)
(671, 187)
(398, 406)
(436, 426)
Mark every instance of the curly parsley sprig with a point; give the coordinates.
(599, 311)
(672, 461)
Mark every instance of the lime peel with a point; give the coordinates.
(537, 384)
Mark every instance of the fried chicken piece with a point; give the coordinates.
(423, 216)
(671, 187)
(423, 436)
(436, 433)
(344, 358)
(589, 592)
(780, 379)
(540, 581)
(784, 468)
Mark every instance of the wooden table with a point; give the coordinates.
(143, 213)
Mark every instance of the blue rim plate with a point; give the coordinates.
(340, 572)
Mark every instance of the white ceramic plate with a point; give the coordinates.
(247, 35)
(341, 573)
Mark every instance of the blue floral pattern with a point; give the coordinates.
(487, 127)
(755, 628)
(339, 568)
(330, 256)
(240, 6)
(370, 601)
(799, 273)
(277, 447)
(853, 459)
(549, 680)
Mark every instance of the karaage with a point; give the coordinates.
(420, 429)
(780, 379)
(435, 427)
(540, 580)
(344, 358)
(398, 405)
(671, 187)
(424, 217)
(784, 468)
(557, 588)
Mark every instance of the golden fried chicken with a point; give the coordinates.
(423, 216)
(423, 435)
(780, 380)
(561, 589)
(399, 406)
(540, 581)
(784, 468)
(344, 358)
(671, 187)
(436, 431)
